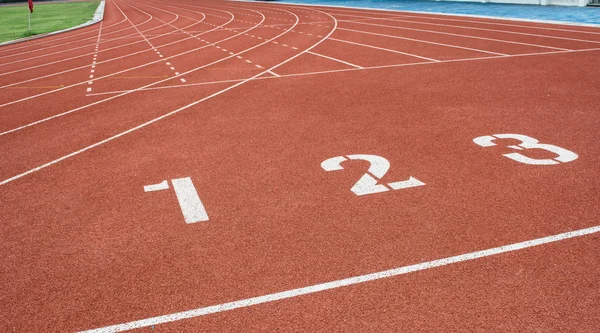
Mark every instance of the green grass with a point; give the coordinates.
(46, 17)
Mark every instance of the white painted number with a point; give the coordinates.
(368, 183)
(527, 142)
(189, 201)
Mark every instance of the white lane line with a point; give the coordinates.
(106, 61)
(62, 51)
(145, 37)
(115, 73)
(247, 302)
(93, 69)
(273, 73)
(490, 20)
(383, 49)
(356, 69)
(335, 59)
(463, 36)
(424, 41)
(116, 136)
(395, 19)
(53, 41)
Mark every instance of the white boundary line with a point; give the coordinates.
(424, 41)
(98, 16)
(105, 50)
(399, 19)
(121, 71)
(335, 59)
(247, 302)
(442, 14)
(383, 49)
(133, 129)
(353, 69)
(456, 35)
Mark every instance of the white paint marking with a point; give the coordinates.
(114, 137)
(89, 89)
(335, 59)
(411, 182)
(191, 206)
(384, 49)
(458, 35)
(239, 57)
(258, 66)
(248, 61)
(168, 63)
(424, 41)
(183, 80)
(247, 302)
(176, 73)
(91, 76)
(157, 187)
(273, 73)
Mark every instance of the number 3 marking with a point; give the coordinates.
(367, 184)
(527, 142)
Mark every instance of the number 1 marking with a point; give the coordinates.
(189, 201)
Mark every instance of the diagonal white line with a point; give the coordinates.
(335, 59)
(423, 41)
(114, 137)
(384, 49)
(457, 35)
(247, 302)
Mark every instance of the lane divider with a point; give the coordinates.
(154, 48)
(335, 284)
(94, 60)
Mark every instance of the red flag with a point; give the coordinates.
(31, 6)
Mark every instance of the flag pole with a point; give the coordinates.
(29, 23)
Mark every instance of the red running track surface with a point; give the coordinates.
(235, 106)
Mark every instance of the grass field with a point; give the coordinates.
(46, 17)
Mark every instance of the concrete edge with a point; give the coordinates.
(98, 16)
(433, 13)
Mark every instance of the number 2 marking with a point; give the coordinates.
(368, 183)
(527, 142)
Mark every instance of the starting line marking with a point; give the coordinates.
(341, 283)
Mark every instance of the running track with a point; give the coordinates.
(248, 100)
